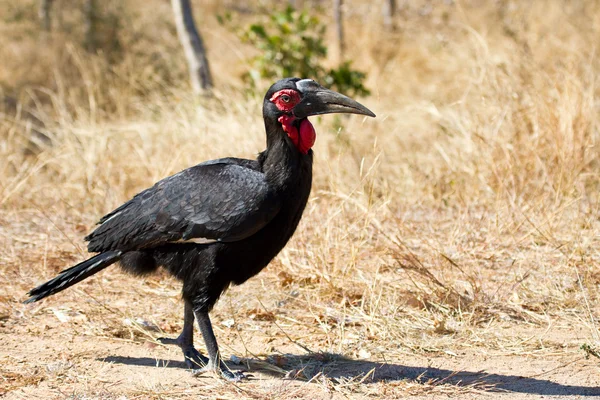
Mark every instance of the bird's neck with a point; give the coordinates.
(282, 162)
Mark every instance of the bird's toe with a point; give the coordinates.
(194, 359)
(233, 376)
(166, 340)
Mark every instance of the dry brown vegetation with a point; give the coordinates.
(450, 246)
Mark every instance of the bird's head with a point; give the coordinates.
(289, 102)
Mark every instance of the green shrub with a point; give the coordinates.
(292, 44)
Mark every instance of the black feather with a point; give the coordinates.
(73, 275)
(225, 200)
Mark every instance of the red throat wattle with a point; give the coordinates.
(303, 138)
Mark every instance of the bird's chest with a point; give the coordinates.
(293, 203)
(256, 252)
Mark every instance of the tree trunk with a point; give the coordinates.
(44, 13)
(389, 9)
(193, 46)
(339, 26)
(89, 12)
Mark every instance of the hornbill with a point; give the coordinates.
(219, 222)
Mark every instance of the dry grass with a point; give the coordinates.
(462, 223)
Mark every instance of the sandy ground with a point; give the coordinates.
(81, 344)
(42, 357)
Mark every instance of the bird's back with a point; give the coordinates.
(225, 199)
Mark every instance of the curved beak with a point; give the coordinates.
(318, 100)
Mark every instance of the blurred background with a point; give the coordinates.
(479, 100)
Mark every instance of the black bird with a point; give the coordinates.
(219, 222)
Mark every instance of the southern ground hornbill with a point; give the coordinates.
(220, 222)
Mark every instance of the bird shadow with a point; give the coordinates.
(343, 369)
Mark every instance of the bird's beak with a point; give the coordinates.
(318, 100)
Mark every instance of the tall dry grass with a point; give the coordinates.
(468, 206)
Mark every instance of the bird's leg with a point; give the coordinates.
(193, 358)
(215, 363)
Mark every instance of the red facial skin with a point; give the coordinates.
(292, 96)
(303, 138)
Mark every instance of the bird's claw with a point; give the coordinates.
(231, 376)
(192, 357)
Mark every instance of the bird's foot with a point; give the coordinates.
(231, 376)
(192, 357)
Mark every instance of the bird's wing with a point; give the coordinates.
(224, 200)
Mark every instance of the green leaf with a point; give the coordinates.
(292, 43)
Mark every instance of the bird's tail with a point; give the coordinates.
(73, 275)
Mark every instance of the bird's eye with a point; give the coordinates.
(285, 98)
